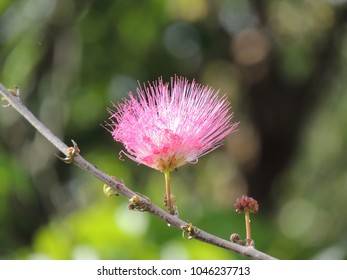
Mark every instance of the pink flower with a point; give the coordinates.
(169, 125)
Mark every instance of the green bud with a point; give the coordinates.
(108, 191)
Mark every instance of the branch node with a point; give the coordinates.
(136, 203)
(250, 243)
(189, 230)
(173, 209)
(71, 152)
(15, 92)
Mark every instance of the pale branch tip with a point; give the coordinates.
(142, 202)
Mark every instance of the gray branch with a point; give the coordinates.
(142, 203)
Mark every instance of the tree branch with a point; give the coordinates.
(141, 202)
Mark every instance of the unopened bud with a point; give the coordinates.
(246, 203)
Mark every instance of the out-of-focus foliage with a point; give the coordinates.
(281, 64)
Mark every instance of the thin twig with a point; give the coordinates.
(123, 190)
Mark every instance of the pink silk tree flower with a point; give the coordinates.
(166, 127)
(169, 125)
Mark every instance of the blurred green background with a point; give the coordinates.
(281, 64)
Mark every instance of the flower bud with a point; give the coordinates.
(246, 203)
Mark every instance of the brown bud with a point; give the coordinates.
(246, 203)
(235, 238)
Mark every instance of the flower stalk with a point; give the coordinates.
(248, 228)
(168, 200)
